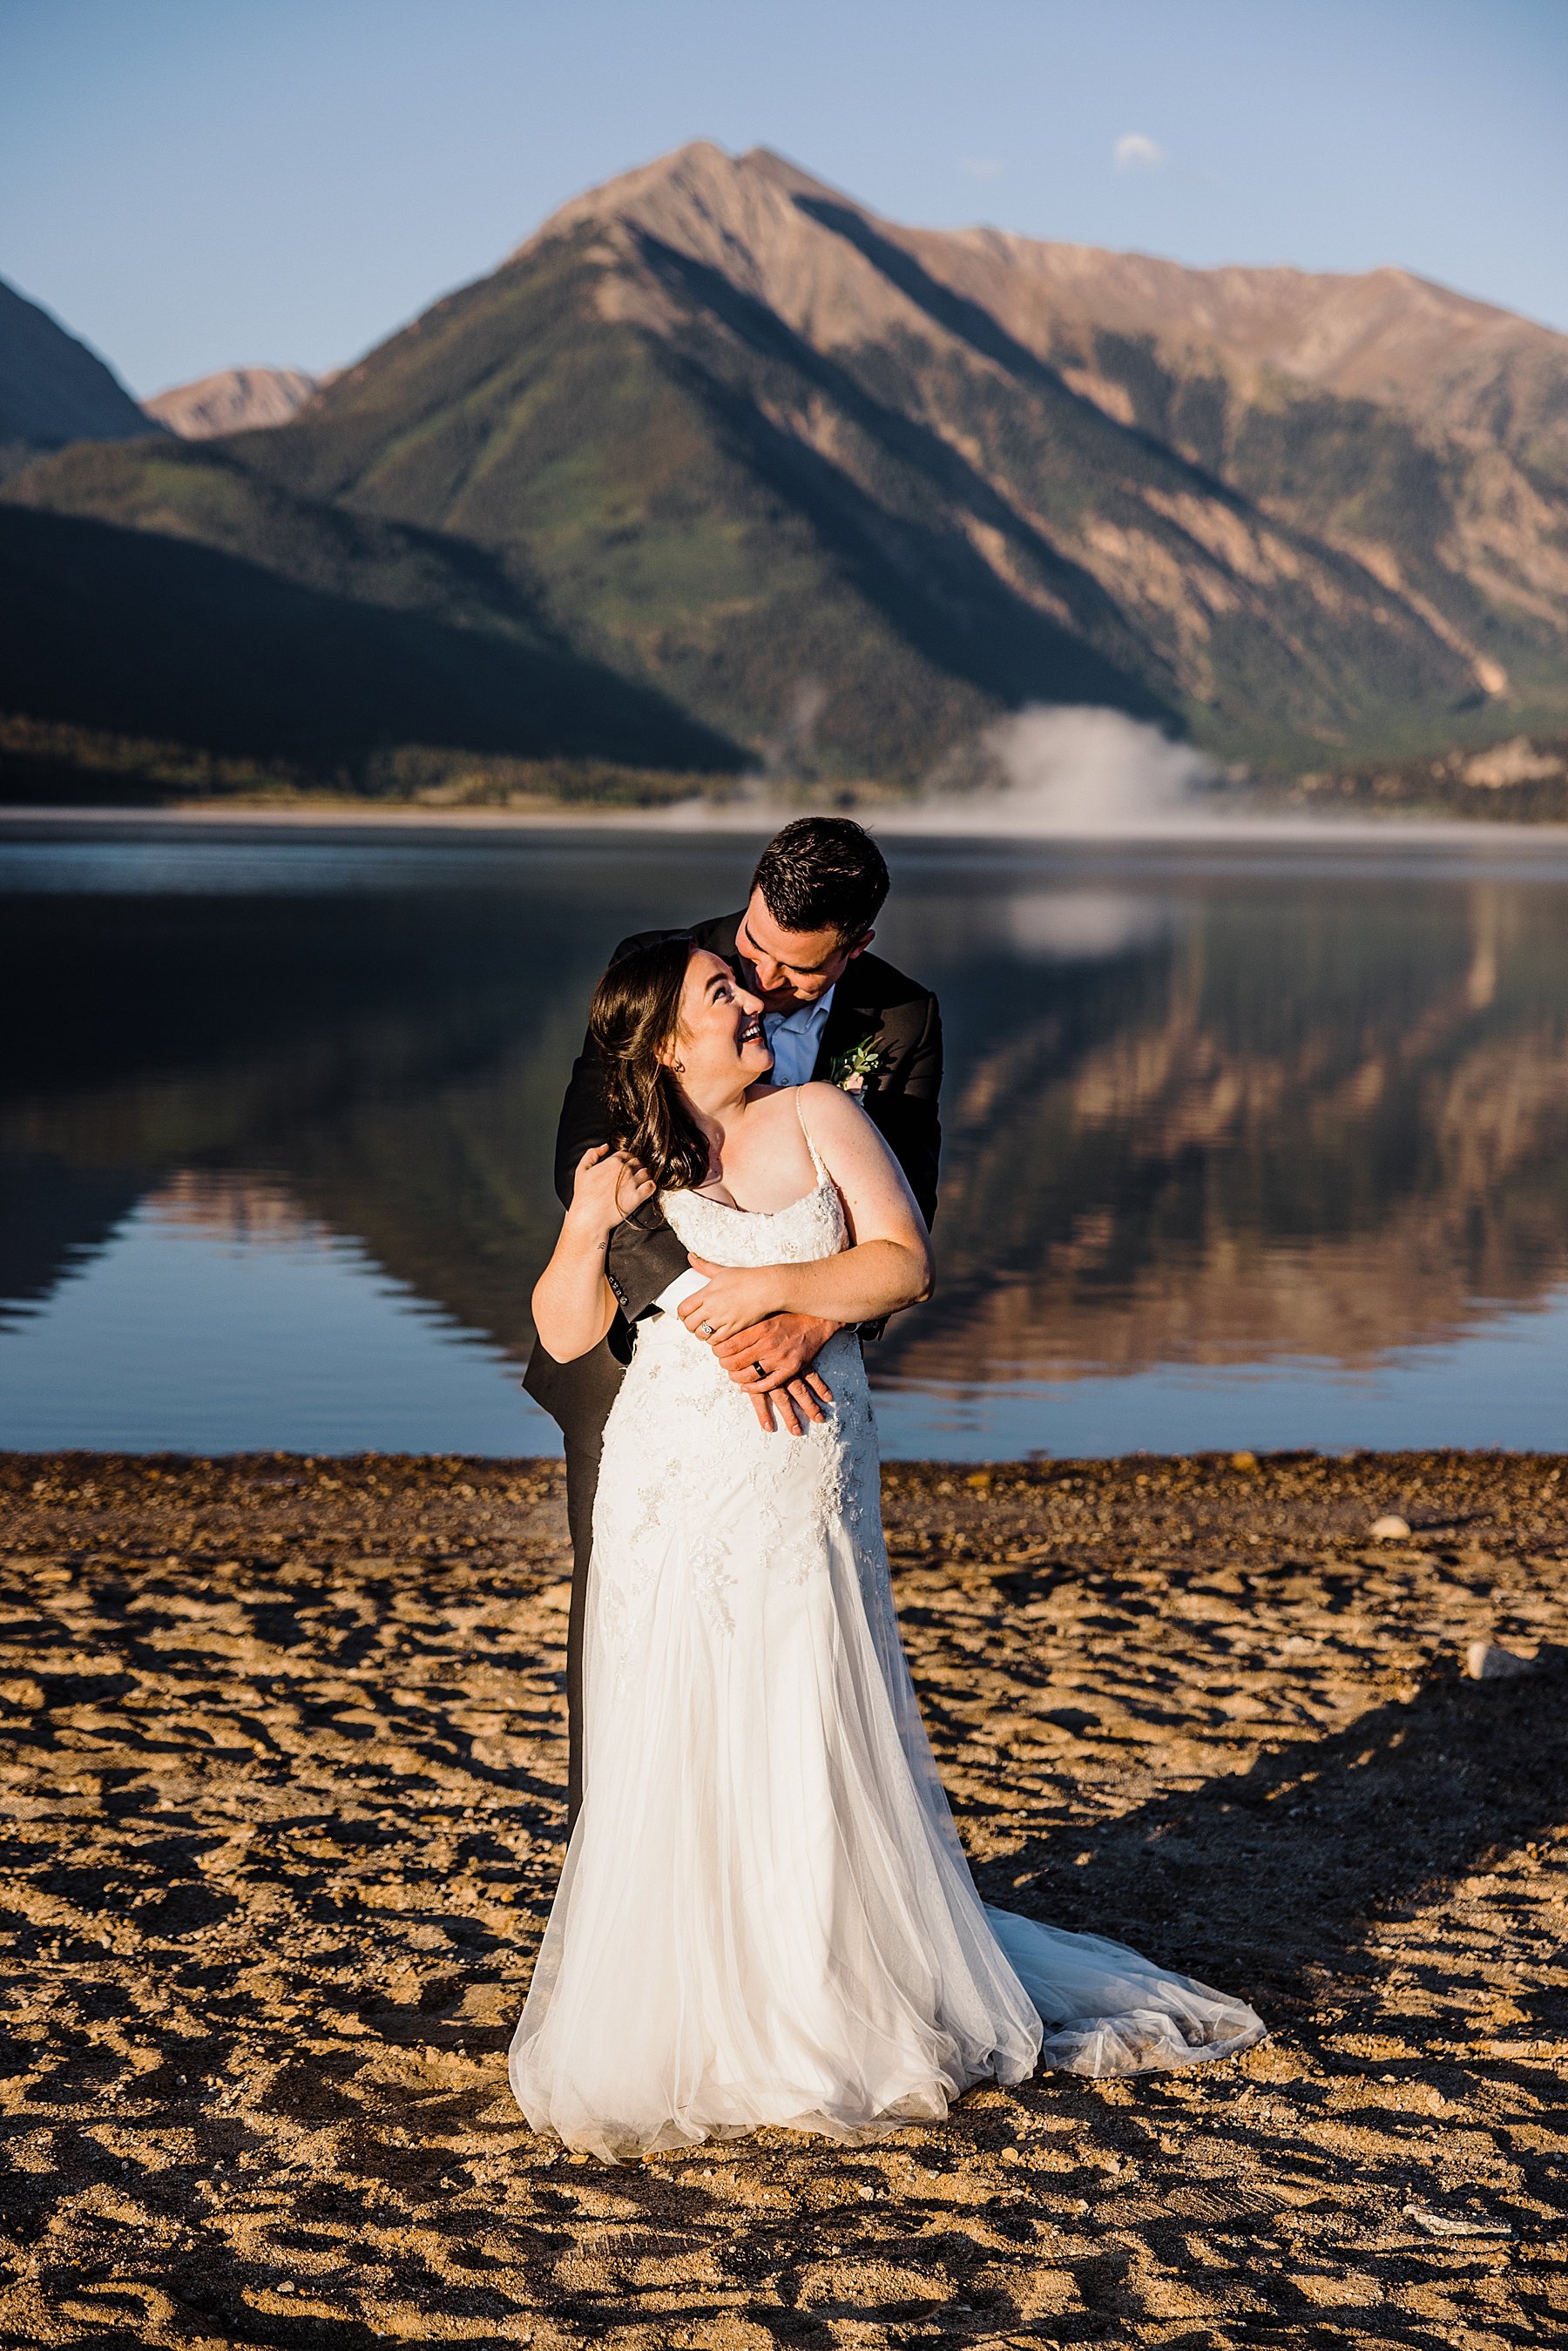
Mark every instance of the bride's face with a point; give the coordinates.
(718, 1038)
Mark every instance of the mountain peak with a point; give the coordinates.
(762, 222)
(235, 400)
(53, 389)
(699, 165)
(694, 193)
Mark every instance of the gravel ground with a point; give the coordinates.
(283, 1776)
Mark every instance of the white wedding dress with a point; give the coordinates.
(765, 1914)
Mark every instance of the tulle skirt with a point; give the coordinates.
(765, 1915)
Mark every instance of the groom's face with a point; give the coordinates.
(790, 969)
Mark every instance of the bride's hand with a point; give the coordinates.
(736, 1297)
(606, 1189)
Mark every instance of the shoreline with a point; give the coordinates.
(688, 818)
(284, 1763)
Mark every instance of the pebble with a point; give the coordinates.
(1448, 2224)
(1390, 1528)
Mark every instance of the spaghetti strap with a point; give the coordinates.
(822, 1174)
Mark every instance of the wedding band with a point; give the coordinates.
(759, 1370)
(705, 1330)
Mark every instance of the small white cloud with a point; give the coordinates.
(1134, 153)
(980, 167)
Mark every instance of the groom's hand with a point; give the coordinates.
(785, 1346)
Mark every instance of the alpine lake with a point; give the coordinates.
(1250, 1144)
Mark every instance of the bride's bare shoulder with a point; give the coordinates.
(817, 1099)
(834, 1117)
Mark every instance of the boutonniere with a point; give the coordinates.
(850, 1070)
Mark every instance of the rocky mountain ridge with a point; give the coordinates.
(1197, 359)
(1386, 336)
(842, 492)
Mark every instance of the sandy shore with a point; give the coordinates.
(283, 1785)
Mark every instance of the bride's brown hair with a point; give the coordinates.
(635, 1016)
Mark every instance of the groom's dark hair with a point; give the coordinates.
(822, 873)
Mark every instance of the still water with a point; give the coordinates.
(1246, 1147)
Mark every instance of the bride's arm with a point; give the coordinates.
(887, 1265)
(573, 1302)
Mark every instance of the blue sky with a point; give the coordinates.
(194, 183)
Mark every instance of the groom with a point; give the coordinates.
(829, 1010)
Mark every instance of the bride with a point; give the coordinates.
(765, 1914)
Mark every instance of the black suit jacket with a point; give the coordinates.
(873, 1003)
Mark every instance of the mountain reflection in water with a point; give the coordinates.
(1217, 1116)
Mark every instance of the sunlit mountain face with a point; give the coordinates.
(1222, 1114)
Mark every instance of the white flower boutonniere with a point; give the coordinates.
(850, 1070)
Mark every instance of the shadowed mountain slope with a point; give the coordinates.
(53, 389)
(843, 491)
(146, 635)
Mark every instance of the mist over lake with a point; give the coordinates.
(1245, 1145)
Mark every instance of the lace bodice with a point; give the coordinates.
(805, 1230)
(810, 1227)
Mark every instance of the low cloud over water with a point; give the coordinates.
(1074, 771)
